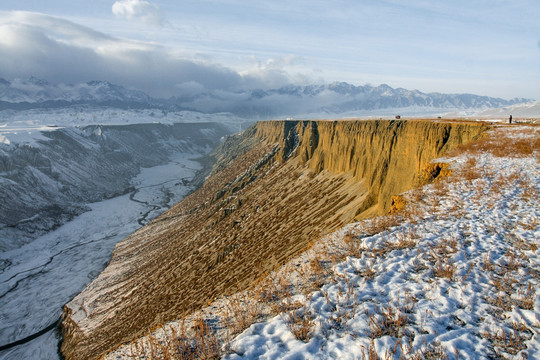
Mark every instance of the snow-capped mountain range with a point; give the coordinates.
(335, 98)
(34, 90)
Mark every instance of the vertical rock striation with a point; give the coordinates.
(273, 188)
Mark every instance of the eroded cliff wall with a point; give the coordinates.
(274, 188)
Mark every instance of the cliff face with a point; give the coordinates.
(273, 189)
(387, 155)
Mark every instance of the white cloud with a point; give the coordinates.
(139, 10)
(190, 88)
(60, 51)
(275, 72)
(57, 50)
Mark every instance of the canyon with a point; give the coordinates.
(272, 190)
(69, 167)
(69, 194)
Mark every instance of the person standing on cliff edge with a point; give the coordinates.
(510, 119)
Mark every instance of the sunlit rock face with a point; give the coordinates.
(273, 189)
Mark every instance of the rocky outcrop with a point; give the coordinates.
(274, 188)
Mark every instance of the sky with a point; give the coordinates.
(172, 47)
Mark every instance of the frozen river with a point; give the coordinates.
(37, 279)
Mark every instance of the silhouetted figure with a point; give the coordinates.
(510, 119)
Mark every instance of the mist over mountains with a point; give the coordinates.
(291, 100)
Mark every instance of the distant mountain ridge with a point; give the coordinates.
(34, 90)
(334, 98)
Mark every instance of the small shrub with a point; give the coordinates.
(408, 304)
(387, 320)
(300, 323)
(487, 264)
(381, 223)
(510, 342)
(444, 268)
(206, 343)
(353, 245)
(469, 171)
(272, 290)
(405, 240)
(512, 263)
(368, 272)
(530, 224)
(370, 353)
(241, 311)
(504, 283)
(501, 302)
(526, 297)
(529, 191)
(431, 351)
(199, 343)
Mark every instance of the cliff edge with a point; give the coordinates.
(273, 189)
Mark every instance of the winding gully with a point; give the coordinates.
(39, 278)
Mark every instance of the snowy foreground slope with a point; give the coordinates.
(455, 274)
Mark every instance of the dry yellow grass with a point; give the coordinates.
(256, 215)
(501, 145)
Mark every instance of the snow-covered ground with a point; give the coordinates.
(455, 274)
(526, 110)
(459, 276)
(521, 111)
(37, 279)
(25, 126)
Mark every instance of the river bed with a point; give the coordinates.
(37, 279)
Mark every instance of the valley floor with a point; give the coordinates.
(454, 274)
(37, 279)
